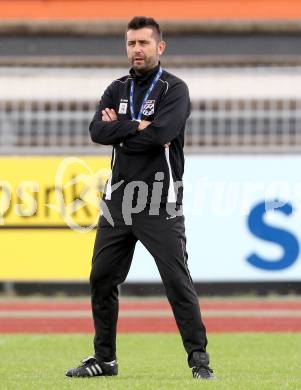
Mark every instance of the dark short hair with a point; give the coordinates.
(142, 21)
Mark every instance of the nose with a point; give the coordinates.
(138, 49)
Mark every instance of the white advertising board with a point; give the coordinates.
(243, 220)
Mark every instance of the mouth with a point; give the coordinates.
(139, 59)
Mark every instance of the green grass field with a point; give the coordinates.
(153, 361)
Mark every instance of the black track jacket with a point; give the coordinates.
(140, 155)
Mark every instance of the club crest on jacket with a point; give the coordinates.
(149, 108)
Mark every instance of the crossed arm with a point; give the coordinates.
(109, 115)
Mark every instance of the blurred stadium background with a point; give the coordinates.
(241, 61)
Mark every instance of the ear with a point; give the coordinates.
(161, 47)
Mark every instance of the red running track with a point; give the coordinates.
(234, 316)
(146, 325)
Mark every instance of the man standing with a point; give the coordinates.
(143, 115)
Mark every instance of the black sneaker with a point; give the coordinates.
(92, 367)
(200, 366)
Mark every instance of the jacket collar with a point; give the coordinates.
(146, 77)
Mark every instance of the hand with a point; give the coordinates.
(166, 145)
(143, 124)
(108, 115)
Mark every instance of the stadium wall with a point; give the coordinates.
(168, 9)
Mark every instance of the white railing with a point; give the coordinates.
(245, 126)
(61, 127)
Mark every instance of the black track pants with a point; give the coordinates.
(164, 238)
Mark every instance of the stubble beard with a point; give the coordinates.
(145, 67)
